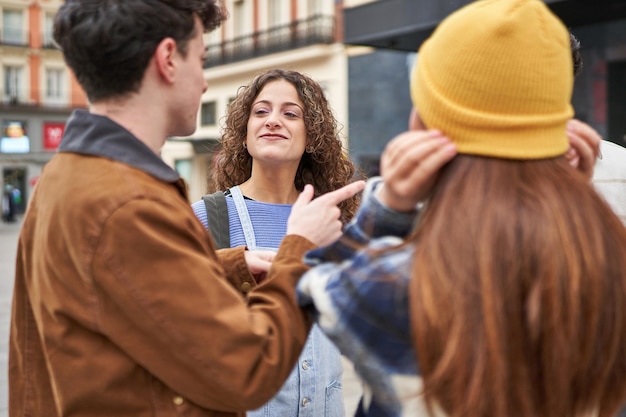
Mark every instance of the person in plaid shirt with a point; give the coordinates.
(505, 294)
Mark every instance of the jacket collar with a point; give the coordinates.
(91, 134)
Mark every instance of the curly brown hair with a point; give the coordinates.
(325, 165)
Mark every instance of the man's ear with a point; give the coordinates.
(415, 123)
(164, 58)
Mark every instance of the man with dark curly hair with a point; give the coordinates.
(122, 307)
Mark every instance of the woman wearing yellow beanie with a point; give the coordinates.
(508, 297)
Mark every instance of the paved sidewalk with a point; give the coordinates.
(8, 245)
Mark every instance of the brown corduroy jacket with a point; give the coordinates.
(121, 305)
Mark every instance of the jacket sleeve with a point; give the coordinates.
(237, 273)
(162, 297)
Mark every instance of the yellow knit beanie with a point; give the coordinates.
(496, 77)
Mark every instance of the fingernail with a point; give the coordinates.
(571, 125)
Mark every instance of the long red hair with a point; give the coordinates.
(518, 292)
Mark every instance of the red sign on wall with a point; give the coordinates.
(52, 134)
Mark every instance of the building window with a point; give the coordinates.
(183, 167)
(239, 18)
(273, 13)
(12, 83)
(315, 7)
(12, 27)
(48, 23)
(55, 84)
(208, 115)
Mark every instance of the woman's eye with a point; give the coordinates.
(261, 111)
(291, 114)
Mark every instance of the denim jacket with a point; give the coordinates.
(359, 297)
(313, 389)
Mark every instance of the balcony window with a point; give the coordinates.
(12, 27)
(315, 7)
(273, 13)
(12, 83)
(55, 85)
(313, 30)
(239, 18)
(48, 23)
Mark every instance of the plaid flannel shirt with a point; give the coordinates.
(359, 297)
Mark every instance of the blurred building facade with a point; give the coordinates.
(37, 92)
(361, 51)
(391, 31)
(301, 35)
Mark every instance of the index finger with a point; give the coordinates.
(337, 196)
(305, 196)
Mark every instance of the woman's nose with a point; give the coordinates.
(272, 121)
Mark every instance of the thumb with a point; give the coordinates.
(305, 197)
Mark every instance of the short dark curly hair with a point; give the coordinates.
(325, 164)
(109, 43)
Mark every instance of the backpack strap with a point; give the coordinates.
(217, 218)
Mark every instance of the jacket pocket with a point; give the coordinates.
(334, 400)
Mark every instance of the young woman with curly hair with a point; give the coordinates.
(280, 134)
(324, 163)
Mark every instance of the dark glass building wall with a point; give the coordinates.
(378, 103)
(600, 90)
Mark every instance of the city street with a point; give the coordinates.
(8, 244)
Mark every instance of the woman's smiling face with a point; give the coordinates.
(276, 130)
